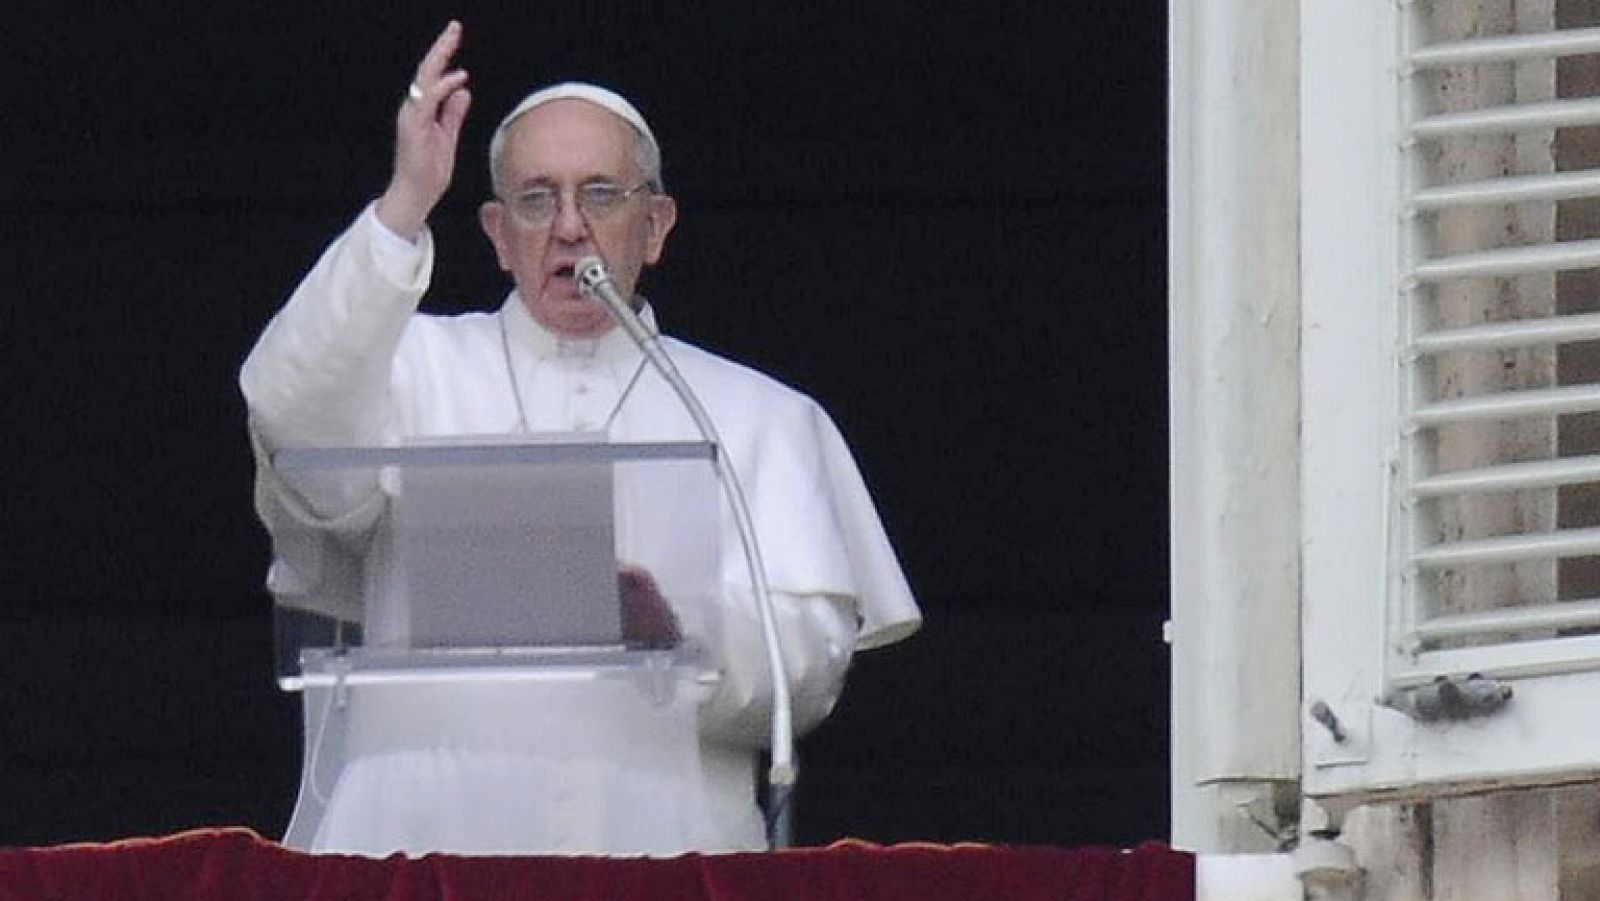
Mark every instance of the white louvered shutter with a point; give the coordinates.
(1451, 399)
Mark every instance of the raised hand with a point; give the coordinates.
(427, 132)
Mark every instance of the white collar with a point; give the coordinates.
(527, 336)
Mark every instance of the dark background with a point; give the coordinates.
(943, 221)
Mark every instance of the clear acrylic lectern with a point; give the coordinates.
(508, 653)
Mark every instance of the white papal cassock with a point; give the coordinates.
(349, 362)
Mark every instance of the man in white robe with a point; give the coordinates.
(349, 362)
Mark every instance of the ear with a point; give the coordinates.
(663, 216)
(492, 219)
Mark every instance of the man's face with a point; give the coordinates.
(563, 145)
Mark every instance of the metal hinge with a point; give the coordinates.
(1450, 698)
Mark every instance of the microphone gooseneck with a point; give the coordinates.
(594, 280)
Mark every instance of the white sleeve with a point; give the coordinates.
(818, 634)
(320, 373)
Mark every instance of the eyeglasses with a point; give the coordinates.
(596, 200)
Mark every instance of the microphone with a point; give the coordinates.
(594, 280)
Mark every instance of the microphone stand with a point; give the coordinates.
(594, 280)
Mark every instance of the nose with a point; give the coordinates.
(569, 226)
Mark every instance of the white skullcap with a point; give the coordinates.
(577, 90)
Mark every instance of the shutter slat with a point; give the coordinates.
(1583, 614)
(1508, 48)
(1509, 549)
(1558, 257)
(1516, 117)
(1514, 189)
(1564, 400)
(1515, 333)
(1511, 477)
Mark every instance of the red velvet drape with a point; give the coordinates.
(238, 864)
